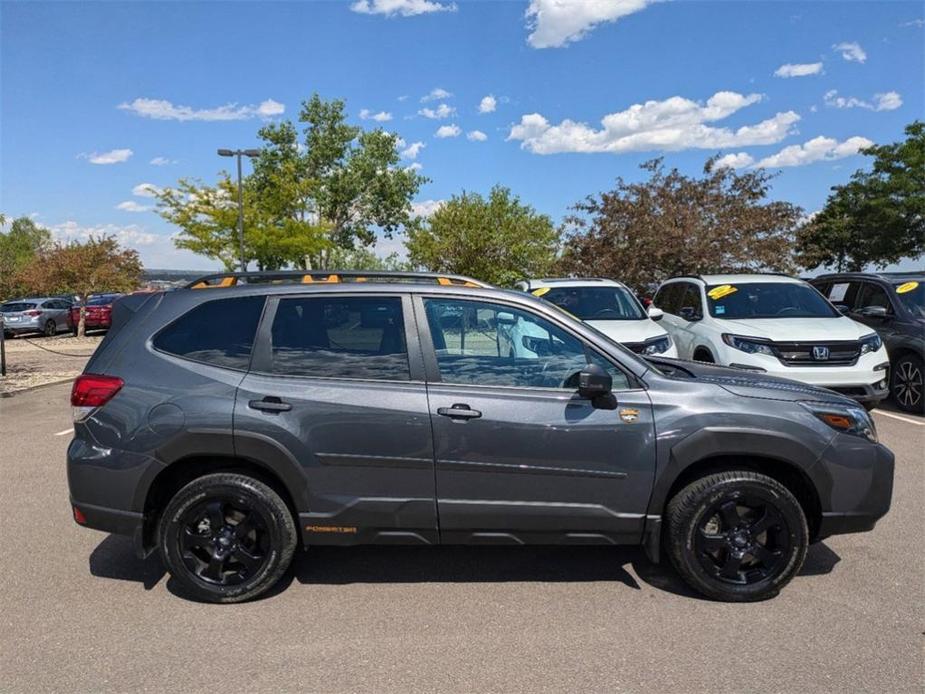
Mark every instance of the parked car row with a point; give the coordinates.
(862, 335)
(51, 315)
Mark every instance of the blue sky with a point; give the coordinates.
(93, 93)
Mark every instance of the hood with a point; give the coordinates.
(748, 384)
(797, 329)
(628, 330)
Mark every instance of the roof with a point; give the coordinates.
(886, 276)
(313, 277)
(571, 282)
(741, 278)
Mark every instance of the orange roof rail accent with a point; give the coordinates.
(225, 282)
(448, 282)
(308, 279)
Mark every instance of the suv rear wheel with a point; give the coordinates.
(226, 537)
(737, 536)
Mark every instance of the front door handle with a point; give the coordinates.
(270, 404)
(459, 411)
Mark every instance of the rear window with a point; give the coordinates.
(16, 307)
(340, 337)
(219, 332)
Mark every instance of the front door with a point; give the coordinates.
(520, 457)
(334, 386)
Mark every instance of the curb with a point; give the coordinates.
(11, 393)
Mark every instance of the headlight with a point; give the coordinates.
(750, 345)
(844, 418)
(871, 343)
(657, 345)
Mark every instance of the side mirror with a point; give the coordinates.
(655, 313)
(843, 308)
(505, 318)
(594, 381)
(689, 313)
(874, 312)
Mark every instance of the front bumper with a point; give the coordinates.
(857, 483)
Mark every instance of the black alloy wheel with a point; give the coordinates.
(742, 539)
(50, 328)
(226, 537)
(737, 535)
(907, 385)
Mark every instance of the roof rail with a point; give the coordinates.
(234, 279)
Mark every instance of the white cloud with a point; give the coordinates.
(488, 104)
(671, 125)
(851, 51)
(161, 161)
(146, 190)
(555, 23)
(412, 150)
(447, 131)
(425, 208)
(886, 101)
(130, 236)
(436, 94)
(476, 136)
(817, 149)
(416, 166)
(132, 206)
(734, 161)
(381, 117)
(798, 70)
(442, 111)
(113, 156)
(405, 8)
(919, 23)
(161, 109)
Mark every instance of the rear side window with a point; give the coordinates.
(14, 307)
(340, 337)
(219, 332)
(667, 298)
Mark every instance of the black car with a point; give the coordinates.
(893, 304)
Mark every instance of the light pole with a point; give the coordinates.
(239, 153)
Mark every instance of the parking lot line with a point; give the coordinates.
(900, 418)
(66, 431)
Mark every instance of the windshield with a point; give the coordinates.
(767, 300)
(16, 307)
(595, 303)
(912, 295)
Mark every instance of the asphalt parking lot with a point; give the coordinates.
(81, 613)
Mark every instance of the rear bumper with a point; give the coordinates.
(22, 328)
(113, 520)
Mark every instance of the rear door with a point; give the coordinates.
(521, 458)
(336, 388)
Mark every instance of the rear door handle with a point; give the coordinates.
(270, 404)
(459, 411)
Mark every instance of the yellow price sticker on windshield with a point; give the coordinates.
(540, 291)
(723, 290)
(907, 287)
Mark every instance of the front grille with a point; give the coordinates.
(842, 353)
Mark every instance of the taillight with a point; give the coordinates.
(33, 313)
(91, 391)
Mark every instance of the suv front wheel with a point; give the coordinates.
(226, 537)
(737, 536)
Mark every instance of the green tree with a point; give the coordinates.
(18, 247)
(878, 217)
(365, 259)
(497, 240)
(671, 224)
(331, 190)
(95, 266)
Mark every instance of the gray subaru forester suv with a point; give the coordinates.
(228, 423)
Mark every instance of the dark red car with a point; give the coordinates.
(98, 313)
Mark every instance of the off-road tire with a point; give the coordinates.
(687, 511)
(278, 534)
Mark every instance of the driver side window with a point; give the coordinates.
(480, 343)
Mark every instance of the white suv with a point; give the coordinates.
(608, 306)
(777, 325)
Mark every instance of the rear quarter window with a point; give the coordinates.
(219, 332)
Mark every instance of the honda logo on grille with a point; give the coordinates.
(820, 353)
